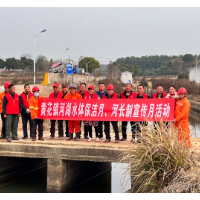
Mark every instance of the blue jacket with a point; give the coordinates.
(101, 94)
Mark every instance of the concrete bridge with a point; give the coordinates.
(69, 163)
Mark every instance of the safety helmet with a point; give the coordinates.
(35, 88)
(110, 87)
(7, 84)
(56, 85)
(182, 91)
(91, 87)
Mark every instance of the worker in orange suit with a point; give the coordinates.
(74, 126)
(182, 110)
(33, 106)
(3, 130)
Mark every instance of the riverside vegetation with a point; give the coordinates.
(161, 163)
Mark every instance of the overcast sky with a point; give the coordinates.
(103, 33)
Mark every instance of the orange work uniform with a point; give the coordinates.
(2, 94)
(73, 125)
(182, 110)
(33, 106)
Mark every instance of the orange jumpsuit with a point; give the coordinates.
(182, 110)
(1, 101)
(33, 105)
(73, 125)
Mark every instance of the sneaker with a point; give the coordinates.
(9, 140)
(90, 139)
(51, 138)
(33, 139)
(101, 138)
(97, 139)
(2, 137)
(116, 141)
(25, 138)
(86, 137)
(41, 138)
(15, 138)
(60, 138)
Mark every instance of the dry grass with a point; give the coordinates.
(158, 160)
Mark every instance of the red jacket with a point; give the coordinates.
(94, 96)
(115, 96)
(155, 95)
(59, 96)
(12, 106)
(86, 94)
(25, 101)
(145, 96)
(132, 95)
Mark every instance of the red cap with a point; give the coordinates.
(35, 88)
(110, 87)
(7, 84)
(56, 85)
(91, 87)
(182, 91)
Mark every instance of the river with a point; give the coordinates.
(108, 182)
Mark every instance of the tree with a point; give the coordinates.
(12, 63)
(26, 62)
(135, 70)
(188, 57)
(2, 63)
(91, 66)
(42, 64)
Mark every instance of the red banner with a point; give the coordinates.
(107, 109)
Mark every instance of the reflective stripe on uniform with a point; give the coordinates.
(36, 108)
(31, 106)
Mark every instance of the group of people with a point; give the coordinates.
(26, 105)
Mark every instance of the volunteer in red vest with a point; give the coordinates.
(26, 116)
(127, 94)
(159, 93)
(56, 95)
(172, 92)
(64, 92)
(89, 124)
(137, 130)
(34, 105)
(12, 112)
(84, 93)
(112, 96)
(74, 125)
(3, 129)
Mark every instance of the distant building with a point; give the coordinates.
(103, 68)
(126, 77)
(194, 74)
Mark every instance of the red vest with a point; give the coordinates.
(132, 96)
(94, 96)
(12, 106)
(24, 99)
(59, 96)
(86, 95)
(155, 95)
(145, 96)
(114, 96)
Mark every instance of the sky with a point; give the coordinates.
(100, 32)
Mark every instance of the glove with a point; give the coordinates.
(28, 111)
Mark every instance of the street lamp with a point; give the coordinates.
(62, 53)
(34, 50)
(87, 66)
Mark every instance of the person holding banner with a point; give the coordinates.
(136, 126)
(74, 125)
(33, 106)
(64, 92)
(58, 95)
(172, 93)
(127, 94)
(111, 95)
(89, 124)
(85, 94)
(182, 110)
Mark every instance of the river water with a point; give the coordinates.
(108, 182)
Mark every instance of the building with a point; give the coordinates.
(194, 74)
(126, 77)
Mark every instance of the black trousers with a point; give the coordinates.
(115, 127)
(67, 128)
(3, 130)
(36, 122)
(124, 125)
(137, 129)
(100, 129)
(89, 129)
(25, 119)
(85, 130)
(60, 128)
